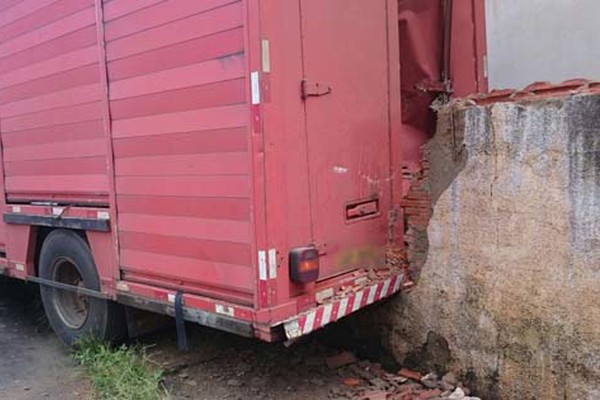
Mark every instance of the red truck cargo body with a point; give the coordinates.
(197, 143)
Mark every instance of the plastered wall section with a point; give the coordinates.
(542, 40)
(509, 295)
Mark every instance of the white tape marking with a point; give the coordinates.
(16, 209)
(255, 83)
(20, 267)
(103, 215)
(266, 56)
(171, 298)
(272, 264)
(262, 265)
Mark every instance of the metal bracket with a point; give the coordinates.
(86, 224)
(314, 89)
(321, 248)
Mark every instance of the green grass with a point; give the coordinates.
(120, 373)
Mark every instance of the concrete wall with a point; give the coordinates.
(509, 296)
(542, 40)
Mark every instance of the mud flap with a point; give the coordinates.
(182, 343)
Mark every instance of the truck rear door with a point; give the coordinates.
(345, 61)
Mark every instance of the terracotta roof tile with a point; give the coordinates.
(539, 90)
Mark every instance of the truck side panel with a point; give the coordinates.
(50, 103)
(177, 83)
(2, 205)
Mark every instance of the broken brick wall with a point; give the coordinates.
(509, 294)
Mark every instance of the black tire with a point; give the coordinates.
(66, 257)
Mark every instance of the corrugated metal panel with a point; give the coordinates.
(70, 42)
(50, 102)
(43, 16)
(177, 73)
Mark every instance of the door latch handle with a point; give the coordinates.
(314, 89)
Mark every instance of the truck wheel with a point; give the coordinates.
(65, 257)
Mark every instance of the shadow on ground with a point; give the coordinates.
(225, 366)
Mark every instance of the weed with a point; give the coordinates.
(120, 373)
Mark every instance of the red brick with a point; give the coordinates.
(407, 373)
(341, 359)
(352, 382)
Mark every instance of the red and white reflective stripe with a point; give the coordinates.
(324, 314)
(342, 308)
(309, 322)
(263, 296)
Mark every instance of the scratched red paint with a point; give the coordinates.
(186, 122)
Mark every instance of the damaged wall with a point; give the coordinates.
(509, 295)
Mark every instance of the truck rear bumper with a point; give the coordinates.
(324, 314)
(249, 322)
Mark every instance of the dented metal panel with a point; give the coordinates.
(424, 32)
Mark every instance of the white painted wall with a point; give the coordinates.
(542, 40)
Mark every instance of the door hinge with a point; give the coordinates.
(314, 89)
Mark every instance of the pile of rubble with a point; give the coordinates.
(370, 381)
(229, 367)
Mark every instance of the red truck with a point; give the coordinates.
(237, 163)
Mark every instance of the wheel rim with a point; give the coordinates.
(71, 307)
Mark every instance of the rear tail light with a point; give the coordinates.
(304, 264)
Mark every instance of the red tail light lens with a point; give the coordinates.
(304, 264)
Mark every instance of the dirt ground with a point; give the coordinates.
(35, 365)
(223, 366)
